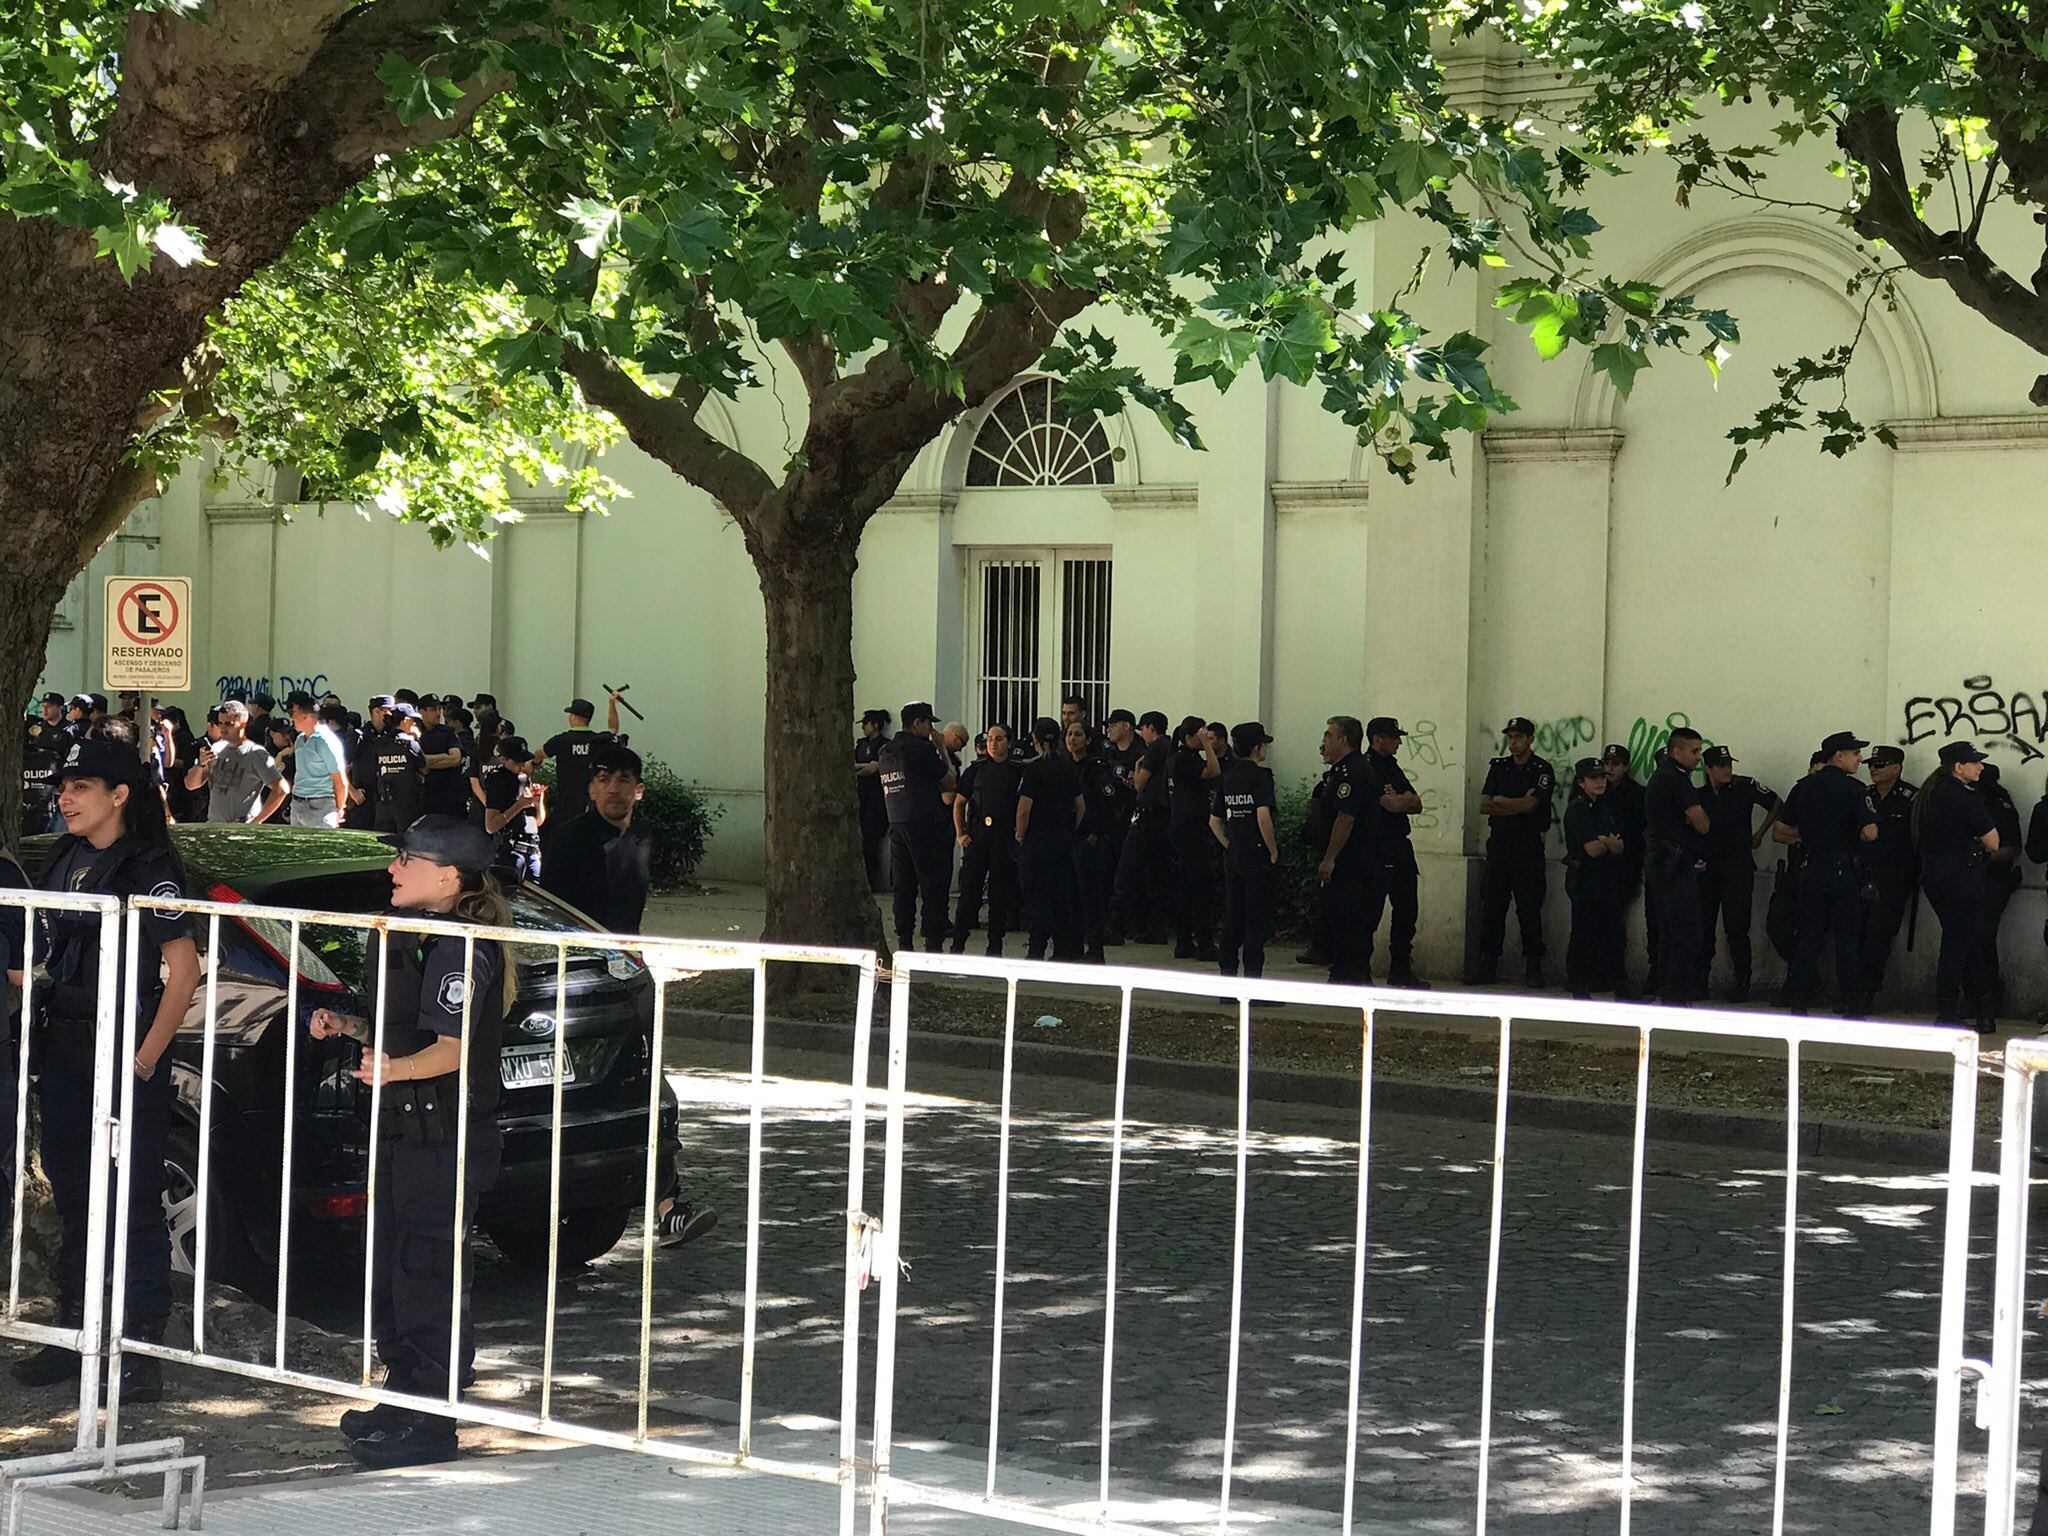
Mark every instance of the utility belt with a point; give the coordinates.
(62, 1034)
(423, 1112)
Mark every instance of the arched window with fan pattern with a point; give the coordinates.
(1030, 438)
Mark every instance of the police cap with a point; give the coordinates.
(406, 696)
(1614, 752)
(1519, 726)
(1819, 756)
(1247, 738)
(430, 701)
(113, 762)
(484, 701)
(1842, 741)
(381, 701)
(1121, 717)
(53, 698)
(1884, 757)
(1717, 757)
(82, 701)
(915, 711)
(1383, 725)
(1588, 768)
(448, 840)
(300, 700)
(1960, 752)
(878, 716)
(514, 749)
(404, 711)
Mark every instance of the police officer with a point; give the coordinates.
(1192, 773)
(1515, 798)
(1049, 811)
(117, 845)
(401, 768)
(1344, 828)
(1625, 800)
(1144, 875)
(442, 789)
(914, 776)
(1829, 815)
(1675, 826)
(362, 765)
(570, 751)
(1728, 883)
(985, 826)
(1099, 795)
(1120, 748)
(441, 996)
(867, 782)
(1396, 880)
(515, 809)
(1958, 835)
(1241, 820)
(1781, 912)
(2003, 877)
(1891, 865)
(43, 745)
(1596, 879)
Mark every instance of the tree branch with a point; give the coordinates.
(667, 428)
(817, 363)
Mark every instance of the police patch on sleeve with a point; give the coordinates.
(168, 888)
(1543, 780)
(1343, 789)
(453, 991)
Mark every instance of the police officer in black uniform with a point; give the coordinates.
(1396, 880)
(1344, 828)
(1891, 864)
(1625, 801)
(1515, 798)
(1049, 811)
(914, 775)
(362, 765)
(985, 826)
(444, 790)
(2003, 877)
(1241, 819)
(1958, 835)
(1120, 749)
(1728, 883)
(867, 782)
(1781, 912)
(43, 746)
(117, 845)
(1144, 875)
(401, 769)
(1192, 772)
(1675, 826)
(437, 990)
(1829, 814)
(1099, 792)
(1596, 879)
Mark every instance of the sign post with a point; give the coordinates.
(149, 634)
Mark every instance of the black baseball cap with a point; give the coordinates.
(1719, 757)
(1884, 757)
(53, 698)
(430, 701)
(1120, 717)
(1383, 725)
(381, 701)
(449, 840)
(879, 716)
(582, 707)
(404, 711)
(1519, 726)
(264, 700)
(484, 700)
(1615, 752)
(114, 762)
(915, 711)
(82, 701)
(1961, 752)
(1819, 756)
(515, 748)
(1248, 737)
(407, 696)
(1588, 768)
(1842, 741)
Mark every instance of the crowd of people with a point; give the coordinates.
(1087, 836)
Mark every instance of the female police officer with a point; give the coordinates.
(440, 872)
(117, 845)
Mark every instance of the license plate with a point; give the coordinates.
(534, 1069)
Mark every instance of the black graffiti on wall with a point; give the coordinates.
(1982, 712)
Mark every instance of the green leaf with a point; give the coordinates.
(124, 242)
(1212, 349)
(591, 220)
(1619, 362)
(361, 448)
(1294, 351)
(1411, 165)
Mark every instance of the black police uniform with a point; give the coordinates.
(1956, 870)
(43, 747)
(401, 767)
(601, 871)
(874, 817)
(1102, 792)
(1829, 809)
(1247, 868)
(18, 943)
(1144, 875)
(920, 835)
(2004, 879)
(1676, 859)
(1194, 906)
(62, 1057)
(412, 1274)
(1396, 879)
(1891, 880)
(1624, 800)
(1728, 883)
(1045, 859)
(1599, 891)
(1122, 806)
(363, 776)
(1349, 791)
(570, 751)
(989, 790)
(518, 841)
(1515, 864)
(443, 790)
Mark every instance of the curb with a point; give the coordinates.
(1904, 1146)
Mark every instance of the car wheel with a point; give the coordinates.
(587, 1234)
(231, 1260)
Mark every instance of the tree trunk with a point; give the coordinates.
(26, 608)
(817, 888)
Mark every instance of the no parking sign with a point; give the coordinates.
(149, 634)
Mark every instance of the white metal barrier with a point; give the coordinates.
(665, 959)
(25, 914)
(1998, 1392)
(1640, 1022)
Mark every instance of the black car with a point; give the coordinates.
(607, 1028)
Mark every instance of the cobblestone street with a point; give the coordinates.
(1862, 1393)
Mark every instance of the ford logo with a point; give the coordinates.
(536, 1026)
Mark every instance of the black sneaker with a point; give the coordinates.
(1407, 981)
(419, 1442)
(683, 1221)
(46, 1367)
(142, 1379)
(362, 1423)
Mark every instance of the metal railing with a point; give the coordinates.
(1998, 1389)
(1642, 1023)
(664, 960)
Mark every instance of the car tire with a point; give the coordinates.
(231, 1259)
(587, 1234)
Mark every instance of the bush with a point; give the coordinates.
(676, 817)
(1294, 885)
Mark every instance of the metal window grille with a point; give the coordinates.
(1030, 438)
(1084, 633)
(1026, 599)
(1010, 601)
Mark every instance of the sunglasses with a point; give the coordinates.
(407, 857)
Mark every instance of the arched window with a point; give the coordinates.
(1032, 439)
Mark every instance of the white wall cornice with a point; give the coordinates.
(921, 501)
(1153, 498)
(1951, 434)
(1310, 495)
(1552, 445)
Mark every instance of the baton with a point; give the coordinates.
(619, 693)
